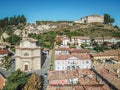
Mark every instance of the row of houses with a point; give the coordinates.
(108, 56)
(73, 58)
(78, 40)
(74, 67)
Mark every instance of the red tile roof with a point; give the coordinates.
(88, 81)
(62, 75)
(61, 49)
(2, 82)
(59, 82)
(78, 87)
(109, 72)
(74, 50)
(107, 53)
(2, 51)
(79, 56)
(85, 71)
(79, 37)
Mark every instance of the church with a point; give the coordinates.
(27, 54)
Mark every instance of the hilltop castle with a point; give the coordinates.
(91, 19)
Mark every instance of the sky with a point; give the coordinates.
(55, 10)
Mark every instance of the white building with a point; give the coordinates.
(91, 19)
(78, 40)
(62, 51)
(28, 54)
(65, 41)
(71, 62)
(112, 40)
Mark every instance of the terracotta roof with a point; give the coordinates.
(97, 87)
(88, 81)
(74, 50)
(61, 49)
(2, 82)
(67, 74)
(61, 75)
(116, 58)
(2, 51)
(79, 56)
(108, 42)
(79, 37)
(59, 82)
(85, 71)
(107, 53)
(78, 87)
(109, 72)
(105, 37)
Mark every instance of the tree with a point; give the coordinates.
(98, 48)
(58, 40)
(108, 19)
(112, 20)
(16, 81)
(33, 83)
(23, 20)
(13, 39)
(6, 63)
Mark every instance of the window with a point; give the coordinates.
(26, 68)
(26, 54)
(83, 62)
(73, 67)
(68, 67)
(68, 62)
(77, 67)
(87, 62)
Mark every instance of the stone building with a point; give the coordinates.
(91, 19)
(28, 54)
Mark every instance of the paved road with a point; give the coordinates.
(45, 69)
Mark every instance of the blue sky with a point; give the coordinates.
(59, 9)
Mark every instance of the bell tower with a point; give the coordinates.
(25, 33)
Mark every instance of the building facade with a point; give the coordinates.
(28, 55)
(78, 40)
(72, 62)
